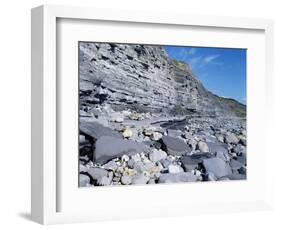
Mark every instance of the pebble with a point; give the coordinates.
(116, 117)
(179, 177)
(126, 180)
(155, 136)
(140, 179)
(111, 165)
(125, 158)
(231, 138)
(175, 168)
(157, 155)
(203, 147)
(127, 133)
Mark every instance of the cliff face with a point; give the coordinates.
(143, 78)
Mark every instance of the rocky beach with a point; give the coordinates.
(147, 119)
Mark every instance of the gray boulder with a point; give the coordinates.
(189, 163)
(126, 180)
(175, 146)
(217, 166)
(140, 179)
(174, 169)
(203, 147)
(231, 138)
(174, 133)
(109, 147)
(237, 177)
(96, 130)
(242, 158)
(157, 155)
(199, 157)
(84, 180)
(97, 173)
(217, 148)
(177, 177)
(235, 165)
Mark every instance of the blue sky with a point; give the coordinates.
(221, 70)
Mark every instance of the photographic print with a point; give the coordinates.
(153, 114)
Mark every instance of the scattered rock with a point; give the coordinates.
(217, 148)
(82, 139)
(117, 117)
(157, 155)
(155, 136)
(174, 133)
(108, 147)
(237, 177)
(231, 138)
(126, 180)
(84, 180)
(165, 163)
(203, 147)
(179, 177)
(127, 133)
(151, 181)
(136, 116)
(220, 138)
(82, 113)
(189, 163)
(242, 158)
(83, 168)
(217, 166)
(211, 176)
(235, 165)
(111, 165)
(97, 173)
(240, 149)
(174, 168)
(125, 158)
(140, 179)
(199, 157)
(104, 181)
(175, 146)
(136, 157)
(96, 130)
(129, 172)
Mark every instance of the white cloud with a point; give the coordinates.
(210, 58)
(195, 61)
(192, 51)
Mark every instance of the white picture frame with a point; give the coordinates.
(49, 183)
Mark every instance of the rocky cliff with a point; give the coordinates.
(143, 78)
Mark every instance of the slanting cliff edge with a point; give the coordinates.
(145, 79)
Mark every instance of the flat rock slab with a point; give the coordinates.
(189, 163)
(235, 165)
(96, 130)
(175, 146)
(217, 148)
(237, 177)
(109, 147)
(199, 157)
(97, 173)
(217, 166)
(177, 177)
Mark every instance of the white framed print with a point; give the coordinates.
(142, 114)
